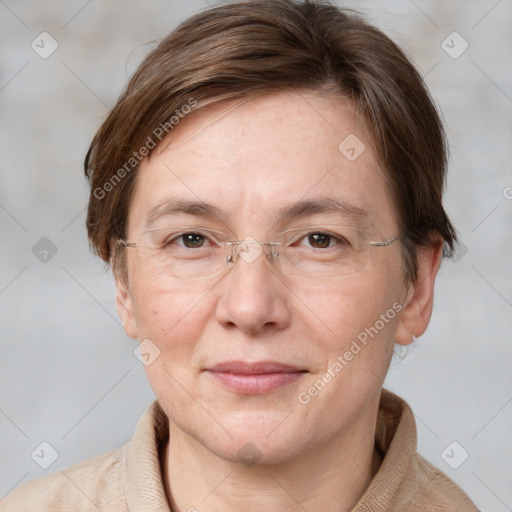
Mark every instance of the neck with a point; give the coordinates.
(330, 477)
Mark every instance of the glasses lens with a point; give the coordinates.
(182, 252)
(323, 252)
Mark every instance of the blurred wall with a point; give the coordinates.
(68, 375)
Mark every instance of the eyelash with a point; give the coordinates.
(333, 238)
(180, 236)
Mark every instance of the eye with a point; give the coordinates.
(190, 240)
(321, 240)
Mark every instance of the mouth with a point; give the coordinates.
(254, 378)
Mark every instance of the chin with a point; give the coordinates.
(258, 439)
(256, 452)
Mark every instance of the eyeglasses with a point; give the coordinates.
(319, 252)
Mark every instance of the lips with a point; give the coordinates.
(258, 368)
(254, 378)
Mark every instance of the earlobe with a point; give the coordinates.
(125, 309)
(419, 299)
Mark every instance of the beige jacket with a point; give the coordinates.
(130, 478)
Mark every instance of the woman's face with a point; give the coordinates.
(320, 347)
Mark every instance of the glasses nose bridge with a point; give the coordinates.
(250, 250)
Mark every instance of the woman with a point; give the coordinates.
(268, 190)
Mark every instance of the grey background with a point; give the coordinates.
(68, 375)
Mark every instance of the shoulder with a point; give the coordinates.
(406, 480)
(434, 491)
(95, 484)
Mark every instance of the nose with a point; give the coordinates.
(253, 297)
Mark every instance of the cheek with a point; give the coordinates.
(357, 349)
(170, 314)
(339, 312)
(358, 322)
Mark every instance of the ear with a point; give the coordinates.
(417, 310)
(125, 308)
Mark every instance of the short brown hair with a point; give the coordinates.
(256, 47)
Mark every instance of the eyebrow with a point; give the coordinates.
(306, 208)
(170, 206)
(298, 210)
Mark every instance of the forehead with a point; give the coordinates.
(249, 157)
